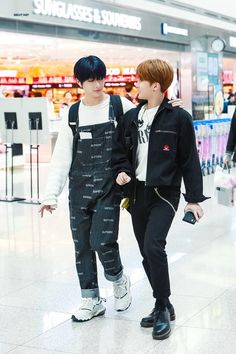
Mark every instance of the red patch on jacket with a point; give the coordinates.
(166, 148)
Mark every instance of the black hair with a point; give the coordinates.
(38, 94)
(129, 88)
(90, 67)
(17, 94)
(231, 95)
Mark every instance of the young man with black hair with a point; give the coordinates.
(83, 151)
(154, 149)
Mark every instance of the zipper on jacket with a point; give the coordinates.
(135, 182)
(162, 109)
(135, 190)
(165, 131)
(135, 185)
(165, 200)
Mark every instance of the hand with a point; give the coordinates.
(122, 178)
(176, 102)
(49, 208)
(195, 209)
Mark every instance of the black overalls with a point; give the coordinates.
(94, 201)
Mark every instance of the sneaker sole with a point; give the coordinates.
(101, 313)
(162, 336)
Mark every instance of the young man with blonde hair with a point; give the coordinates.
(154, 149)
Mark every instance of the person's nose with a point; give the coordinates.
(98, 84)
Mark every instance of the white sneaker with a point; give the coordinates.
(90, 307)
(122, 293)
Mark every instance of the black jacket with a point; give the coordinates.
(231, 143)
(172, 152)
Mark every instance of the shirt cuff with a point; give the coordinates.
(195, 199)
(49, 201)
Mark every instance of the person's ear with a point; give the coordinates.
(156, 86)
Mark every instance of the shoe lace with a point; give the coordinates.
(87, 303)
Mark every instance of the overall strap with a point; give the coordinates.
(73, 118)
(116, 103)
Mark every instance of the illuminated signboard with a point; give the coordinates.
(70, 11)
(8, 73)
(54, 80)
(12, 80)
(166, 29)
(127, 74)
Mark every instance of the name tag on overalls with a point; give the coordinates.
(85, 135)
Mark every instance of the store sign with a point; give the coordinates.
(54, 80)
(115, 84)
(113, 74)
(80, 13)
(121, 71)
(41, 86)
(118, 76)
(12, 80)
(166, 29)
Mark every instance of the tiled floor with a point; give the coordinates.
(39, 289)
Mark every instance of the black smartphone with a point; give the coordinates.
(189, 217)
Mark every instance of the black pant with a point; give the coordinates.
(152, 217)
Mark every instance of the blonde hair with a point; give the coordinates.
(156, 70)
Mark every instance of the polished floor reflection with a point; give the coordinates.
(39, 289)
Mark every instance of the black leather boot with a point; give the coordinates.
(161, 325)
(148, 320)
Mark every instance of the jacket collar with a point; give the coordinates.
(164, 105)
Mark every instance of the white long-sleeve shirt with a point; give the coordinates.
(62, 155)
